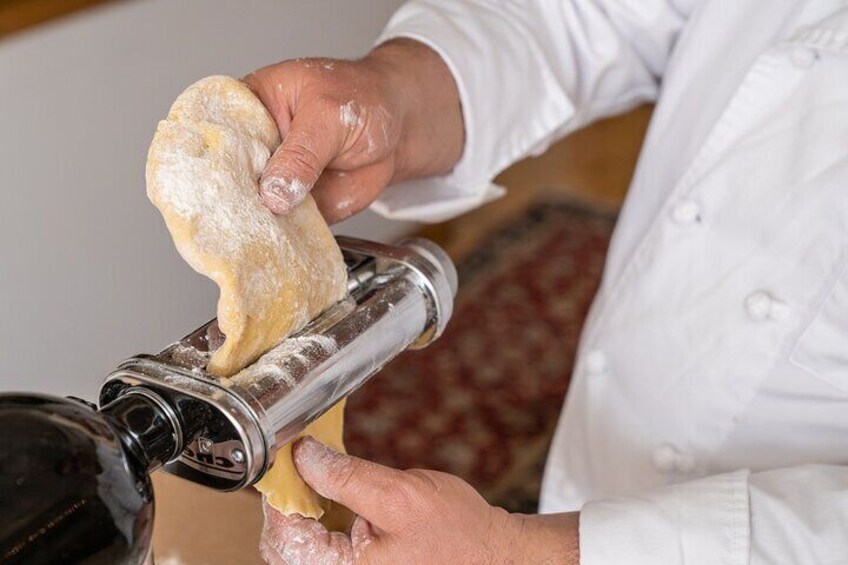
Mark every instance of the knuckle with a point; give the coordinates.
(297, 66)
(419, 491)
(302, 159)
(326, 103)
(261, 83)
(346, 478)
(424, 481)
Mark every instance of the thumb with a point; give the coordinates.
(360, 485)
(314, 138)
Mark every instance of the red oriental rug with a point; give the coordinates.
(482, 402)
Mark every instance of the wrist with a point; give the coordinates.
(546, 538)
(432, 131)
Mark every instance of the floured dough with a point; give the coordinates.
(285, 490)
(275, 273)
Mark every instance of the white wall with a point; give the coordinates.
(88, 274)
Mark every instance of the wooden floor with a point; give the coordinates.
(592, 166)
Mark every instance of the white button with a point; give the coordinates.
(686, 212)
(762, 306)
(664, 458)
(804, 57)
(596, 362)
(758, 305)
(668, 459)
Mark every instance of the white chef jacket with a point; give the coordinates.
(707, 420)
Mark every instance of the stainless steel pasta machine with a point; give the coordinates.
(74, 482)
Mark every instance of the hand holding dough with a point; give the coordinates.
(275, 273)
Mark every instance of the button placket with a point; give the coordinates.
(761, 73)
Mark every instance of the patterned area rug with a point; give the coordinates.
(482, 402)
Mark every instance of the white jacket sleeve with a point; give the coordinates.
(529, 72)
(795, 515)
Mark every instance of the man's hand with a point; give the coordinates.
(409, 517)
(350, 128)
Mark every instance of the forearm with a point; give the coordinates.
(432, 132)
(529, 73)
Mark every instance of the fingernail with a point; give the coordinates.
(361, 534)
(311, 453)
(281, 195)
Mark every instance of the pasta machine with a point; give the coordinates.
(63, 461)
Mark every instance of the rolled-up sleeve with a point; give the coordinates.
(793, 515)
(528, 73)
